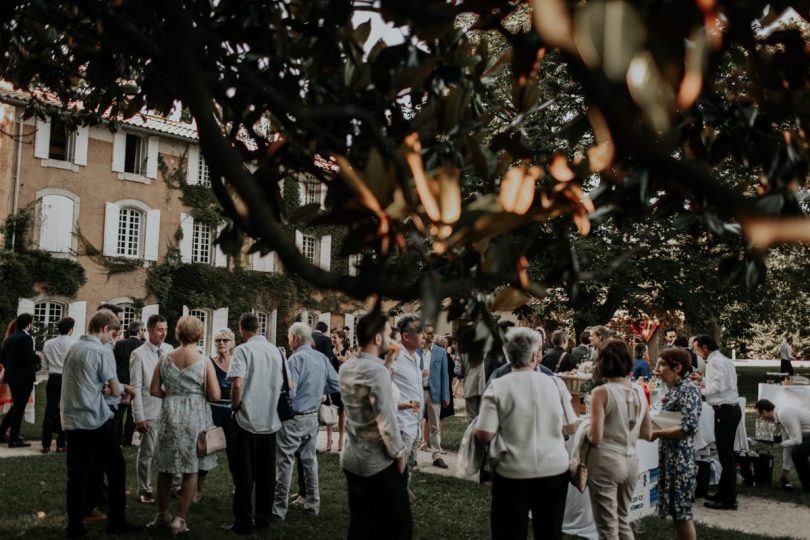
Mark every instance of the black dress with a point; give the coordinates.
(335, 397)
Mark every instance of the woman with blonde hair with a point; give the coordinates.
(183, 380)
(224, 342)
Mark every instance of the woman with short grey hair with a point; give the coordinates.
(524, 410)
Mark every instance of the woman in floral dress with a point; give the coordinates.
(676, 453)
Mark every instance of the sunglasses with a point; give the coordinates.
(224, 340)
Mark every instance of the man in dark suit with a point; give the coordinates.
(323, 343)
(20, 361)
(124, 424)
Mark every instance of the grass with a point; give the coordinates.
(446, 508)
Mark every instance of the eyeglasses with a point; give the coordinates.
(223, 340)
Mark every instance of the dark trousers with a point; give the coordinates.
(124, 425)
(726, 420)
(85, 447)
(254, 469)
(13, 420)
(786, 366)
(800, 454)
(379, 506)
(51, 422)
(513, 498)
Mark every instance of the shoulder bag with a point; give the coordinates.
(577, 468)
(327, 413)
(284, 407)
(560, 361)
(211, 440)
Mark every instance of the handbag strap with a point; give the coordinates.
(285, 384)
(559, 362)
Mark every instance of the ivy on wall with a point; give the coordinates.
(24, 271)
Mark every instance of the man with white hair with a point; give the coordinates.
(311, 377)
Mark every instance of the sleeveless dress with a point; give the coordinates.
(183, 415)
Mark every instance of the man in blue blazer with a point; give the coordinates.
(436, 383)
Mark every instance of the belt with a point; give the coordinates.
(725, 405)
(306, 413)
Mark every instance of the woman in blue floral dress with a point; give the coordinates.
(676, 453)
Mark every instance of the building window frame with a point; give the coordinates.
(47, 313)
(202, 243)
(130, 234)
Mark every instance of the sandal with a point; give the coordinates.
(163, 520)
(179, 526)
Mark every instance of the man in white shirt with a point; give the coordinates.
(408, 379)
(53, 358)
(795, 426)
(145, 407)
(256, 375)
(720, 390)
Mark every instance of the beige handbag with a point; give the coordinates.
(327, 413)
(211, 440)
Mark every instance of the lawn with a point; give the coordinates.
(33, 501)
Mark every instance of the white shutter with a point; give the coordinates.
(25, 306)
(322, 194)
(119, 151)
(80, 150)
(42, 140)
(185, 310)
(149, 310)
(326, 318)
(152, 157)
(78, 312)
(152, 247)
(187, 227)
(56, 223)
(193, 165)
(325, 260)
(273, 325)
(302, 193)
(299, 240)
(219, 321)
(220, 259)
(264, 264)
(348, 320)
(112, 214)
(304, 317)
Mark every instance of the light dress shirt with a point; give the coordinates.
(373, 439)
(720, 382)
(88, 366)
(312, 376)
(54, 352)
(407, 378)
(786, 352)
(424, 363)
(258, 363)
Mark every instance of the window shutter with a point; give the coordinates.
(185, 310)
(149, 310)
(152, 157)
(220, 259)
(187, 226)
(56, 224)
(322, 193)
(299, 240)
(25, 306)
(348, 320)
(119, 151)
(325, 261)
(80, 152)
(42, 140)
(78, 312)
(152, 247)
(273, 325)
(219, 321)
(302, 193)
(327, 318)
(193, 165)
(304, 317)
(266, 263)
(112, 214)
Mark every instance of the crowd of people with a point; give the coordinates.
(392, 390)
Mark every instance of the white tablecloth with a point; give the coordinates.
(705, 432)
(785, 396)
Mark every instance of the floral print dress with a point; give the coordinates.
(676, 457)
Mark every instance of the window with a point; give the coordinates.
(262, 318)
(130, 222)
(46, 315)
(312, 192)
(201, 243)
(203, 316)
(128, 315)
(135, 154)
(63, 142)
(204, 173)
(308, 250)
